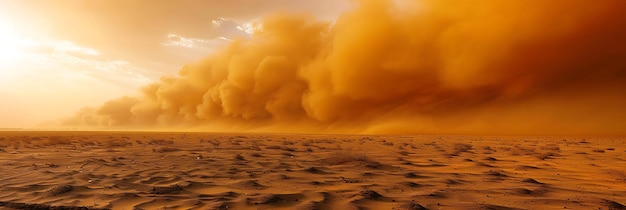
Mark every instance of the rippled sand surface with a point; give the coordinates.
(141, 170)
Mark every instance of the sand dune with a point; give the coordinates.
(107, 170)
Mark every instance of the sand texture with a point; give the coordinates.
(114, 170)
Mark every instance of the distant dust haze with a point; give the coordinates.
(401, 67)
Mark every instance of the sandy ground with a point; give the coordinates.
(107, 170)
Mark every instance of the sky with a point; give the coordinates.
(368, 66)
(59, 56)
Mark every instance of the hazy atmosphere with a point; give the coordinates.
(380, 66)
(312, 105)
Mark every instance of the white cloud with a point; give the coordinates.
(246, 27)
(180, 41)
(218, 22)
(70, 47)
(193, 49)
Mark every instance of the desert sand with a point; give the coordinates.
(143, 170)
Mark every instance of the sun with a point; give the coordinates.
(11, 45)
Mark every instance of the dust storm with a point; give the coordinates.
(480, 67)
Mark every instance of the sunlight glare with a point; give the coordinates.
(10, 45)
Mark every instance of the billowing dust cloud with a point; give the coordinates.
(430, 66)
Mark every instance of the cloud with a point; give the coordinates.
(224, 30)
(134, 30)
(180, 41)
(230, 29)
(69, 47)
(69, 57)
(500, 67)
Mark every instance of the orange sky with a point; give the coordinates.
(375, 66)
(58, 56)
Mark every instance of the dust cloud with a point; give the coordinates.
(429, 66)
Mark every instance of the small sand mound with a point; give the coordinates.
(266, 199)
(222, 206)
(612, 205)
(437, 195)
(495, 173)
(314, 170)
(453, 182)
(532, 181)
(61, 190)
(490, 159)
(546, 156)
(167, 190)
(350, 159)
(263, 199)
(371, 195)
(239, 157)
(129, 195)
(229, 194)
(410, 184)
(481, 164)
(250, 184)
(412, 205)
(349, 180)
(525, 167)
(524, 192)
(316, 183)
(165, 149)
(461, 148)
(413, 175)
(310, 206)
